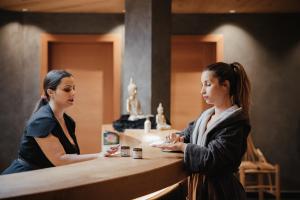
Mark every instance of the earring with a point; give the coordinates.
(232, 100)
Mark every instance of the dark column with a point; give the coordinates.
(147, 52)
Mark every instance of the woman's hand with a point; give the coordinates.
(176, 146)
(173, 138)
(173, 143)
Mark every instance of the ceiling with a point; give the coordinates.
(178, 6)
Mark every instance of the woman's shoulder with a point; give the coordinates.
(234, 117)
(238, 120)
(239, 116)
(41, 122)
(44, 114)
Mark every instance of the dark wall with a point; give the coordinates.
(11, 86)
(267, 45)
(20, 64)
(269, 48)
(147, 53)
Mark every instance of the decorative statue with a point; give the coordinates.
(133, 105)
(161, 123)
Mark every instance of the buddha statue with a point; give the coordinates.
(133, 105)
(161, 123)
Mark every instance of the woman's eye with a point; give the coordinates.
(67, 89)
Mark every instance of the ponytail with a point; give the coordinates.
(243, 88)
(41, 102)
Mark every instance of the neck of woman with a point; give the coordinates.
(222, 107)
(58, 112)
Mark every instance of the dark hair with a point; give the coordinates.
(240, 87)
(51, 81)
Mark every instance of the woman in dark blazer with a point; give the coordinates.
(49, 136)
(215, 143)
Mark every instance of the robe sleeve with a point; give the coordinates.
(40, 127)
(223, 152)
(187, 132)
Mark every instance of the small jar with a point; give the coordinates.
(137, 153)
(125, 151)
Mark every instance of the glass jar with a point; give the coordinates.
(125, 151)
(137, 153)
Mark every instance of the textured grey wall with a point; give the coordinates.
(269, 48)
(161, 59)
(20, 64)
(138, 53)
(147, 52)
(11, 86)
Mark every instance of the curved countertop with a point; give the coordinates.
(104, 178)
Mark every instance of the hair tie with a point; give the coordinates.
(43, 97)
(234, 67)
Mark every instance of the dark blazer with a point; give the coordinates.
(41, 124)
(219, 158)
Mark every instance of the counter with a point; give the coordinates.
(103, 178)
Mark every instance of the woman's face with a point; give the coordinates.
(64, 93)
(212, 91)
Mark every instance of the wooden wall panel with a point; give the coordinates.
(91, 65)
(188, 57)
(95, 63)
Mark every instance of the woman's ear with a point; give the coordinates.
(226, 84)
(50, 92)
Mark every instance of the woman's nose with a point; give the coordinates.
(202, 90)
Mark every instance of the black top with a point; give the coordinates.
(41, 124)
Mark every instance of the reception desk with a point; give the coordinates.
(103, 178)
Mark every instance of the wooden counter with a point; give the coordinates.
(103, 178)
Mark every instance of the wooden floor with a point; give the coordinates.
(284, 196)
(180, 192)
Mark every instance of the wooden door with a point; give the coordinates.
(91, 66)
(189, 55)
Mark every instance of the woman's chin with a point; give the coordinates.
(70, 103)
(208, 102)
